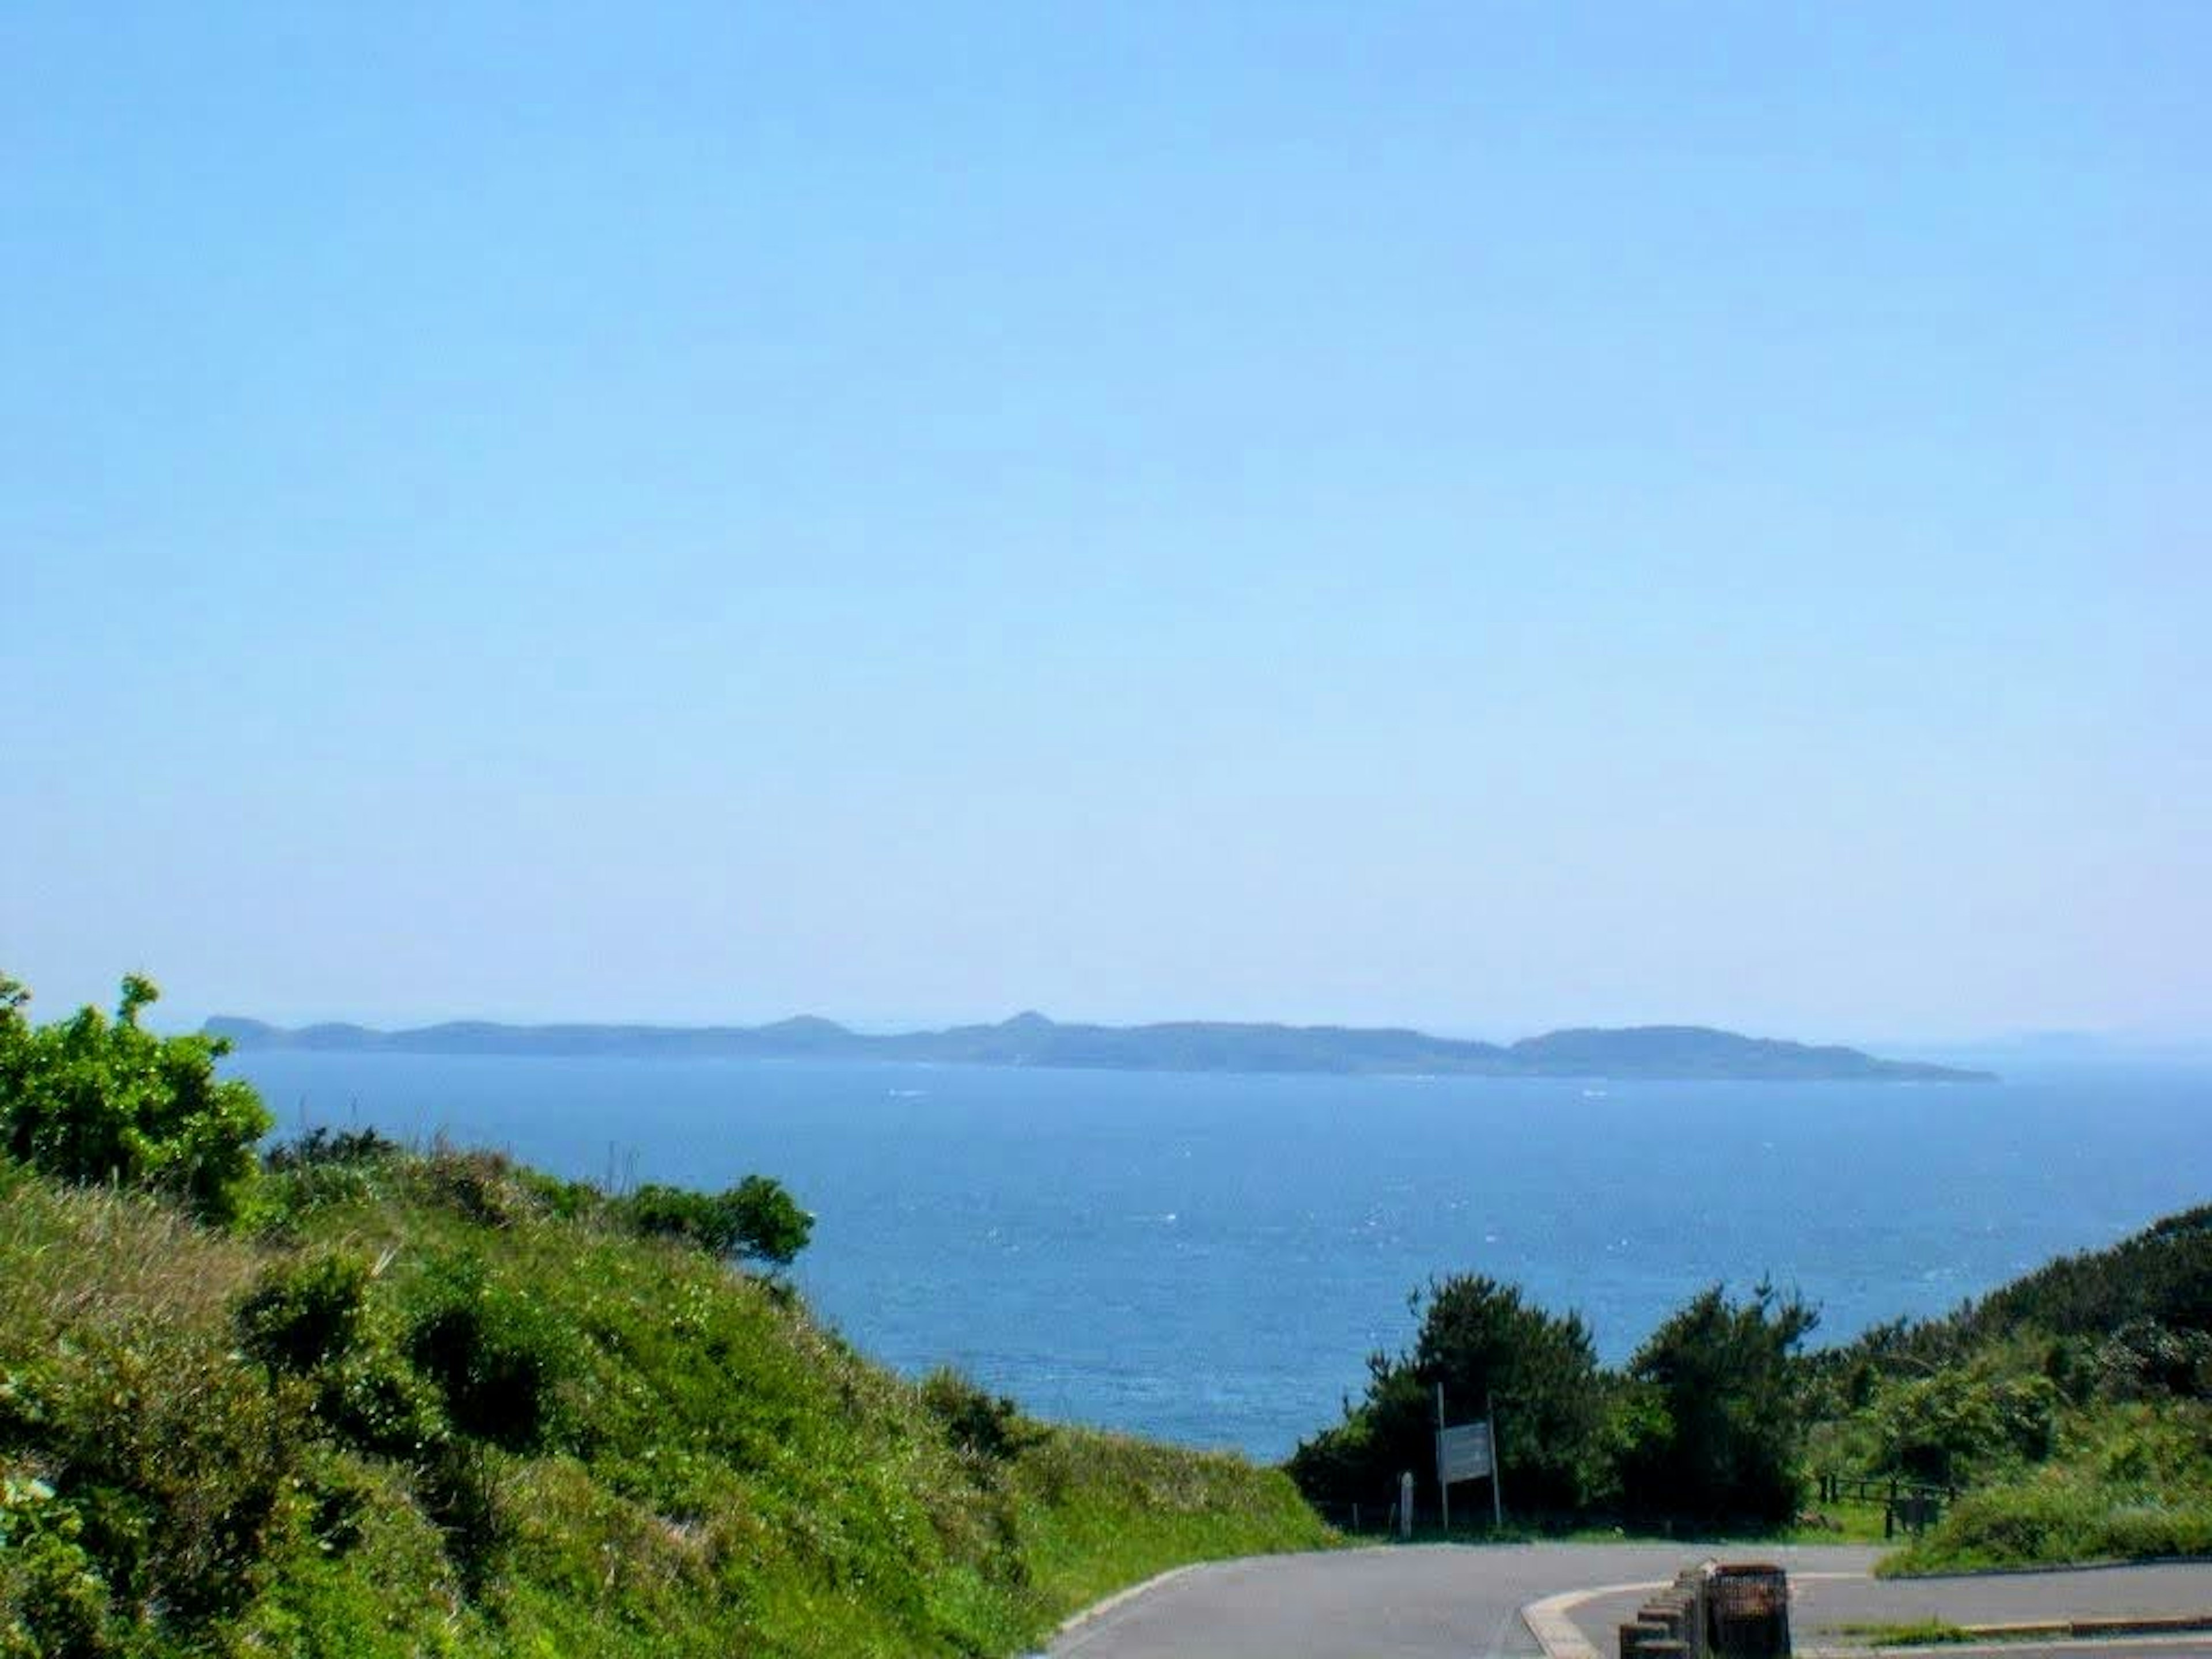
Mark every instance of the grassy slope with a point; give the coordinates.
(712, 1473)
(2127, 1481)
(2075, 1402)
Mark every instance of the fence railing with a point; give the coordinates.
(1906, 1505)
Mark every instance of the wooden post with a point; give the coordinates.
(1444, 1486)
(1497, 1465)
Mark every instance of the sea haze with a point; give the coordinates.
(1210, 1258)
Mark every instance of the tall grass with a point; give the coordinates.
(2131, 1482)
(440, 1404)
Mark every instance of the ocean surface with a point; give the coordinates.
(1210, 1259)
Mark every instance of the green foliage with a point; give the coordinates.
(323, 1146)
(493, 1353)
(305, 1315)
(1093, 1512)
(757, 1219)
(2076, 1402)
(980, 1423)
(170, 1466)
(1961, 1425)
(2144, 1360)
(91, 1100)
(2162, 1275)
(1916, 1633)
(1709, 1424)
(1481, 1340)
(2126, 1481)
(53, 1602)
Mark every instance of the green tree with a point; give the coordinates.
(769, 1224)
(91, 1100)
(1709, 1424)
(757, 1219)
(1483, 1341)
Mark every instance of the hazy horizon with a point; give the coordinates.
(2056, 1045)
(1477, 519)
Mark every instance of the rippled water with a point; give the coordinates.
(1210, 1259)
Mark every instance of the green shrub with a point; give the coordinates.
(457, 1487)
(53, 1602)
(175, 1459)
(305, 1315)
(1485, 1343)
(1963, 1424)
(2049, 1522)
(90, 1101)
(495, 1357)
(2144, 1360)
(478, 1185)
(322, 1146)
(978, 1422)
(755, 1220)
(1709, 1424)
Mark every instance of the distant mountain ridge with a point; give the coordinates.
(1654, 1052)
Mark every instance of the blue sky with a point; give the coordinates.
(1484, 516)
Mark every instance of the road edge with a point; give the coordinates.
(1559, 1635)
(1099, 1609)
(1562, 1638)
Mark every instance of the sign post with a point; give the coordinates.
(1468, 1452)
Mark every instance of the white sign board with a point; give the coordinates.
(1463, 1453)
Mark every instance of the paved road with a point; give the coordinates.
(1427, 1601)
(1821, 1608)
(1464, 1602)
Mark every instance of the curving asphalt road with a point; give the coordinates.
(1420, 1601)
(1446, 1601)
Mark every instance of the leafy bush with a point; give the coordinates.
(2162, 1275)
(171, 1464)
(305, 1315)
(2055, 1521)
(92, 1100)
(53, 1602)
(1709, 1423)
(495, 1357)
(755, 1220)
(1482, 1341)
(322, 1146)
(1963, 1424)
(2144, 1360)
(313, 1319)
(984, 1424)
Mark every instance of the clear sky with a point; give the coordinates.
(1482, 516)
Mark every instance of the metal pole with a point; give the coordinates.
(1497, 1465)
(1444, 1486)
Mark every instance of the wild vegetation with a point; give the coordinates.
(352, 1399)
(2068, 1416)
(1704, 1427)
(2074, 1406)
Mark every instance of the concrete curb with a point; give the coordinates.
(2031, 1568)
(1559, 1635)
(1562, 1638)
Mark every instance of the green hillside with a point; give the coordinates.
(399, 1403)
(2074, 1406)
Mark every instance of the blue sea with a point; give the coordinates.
(1210, 1259)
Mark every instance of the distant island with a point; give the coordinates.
(1680, 1053)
